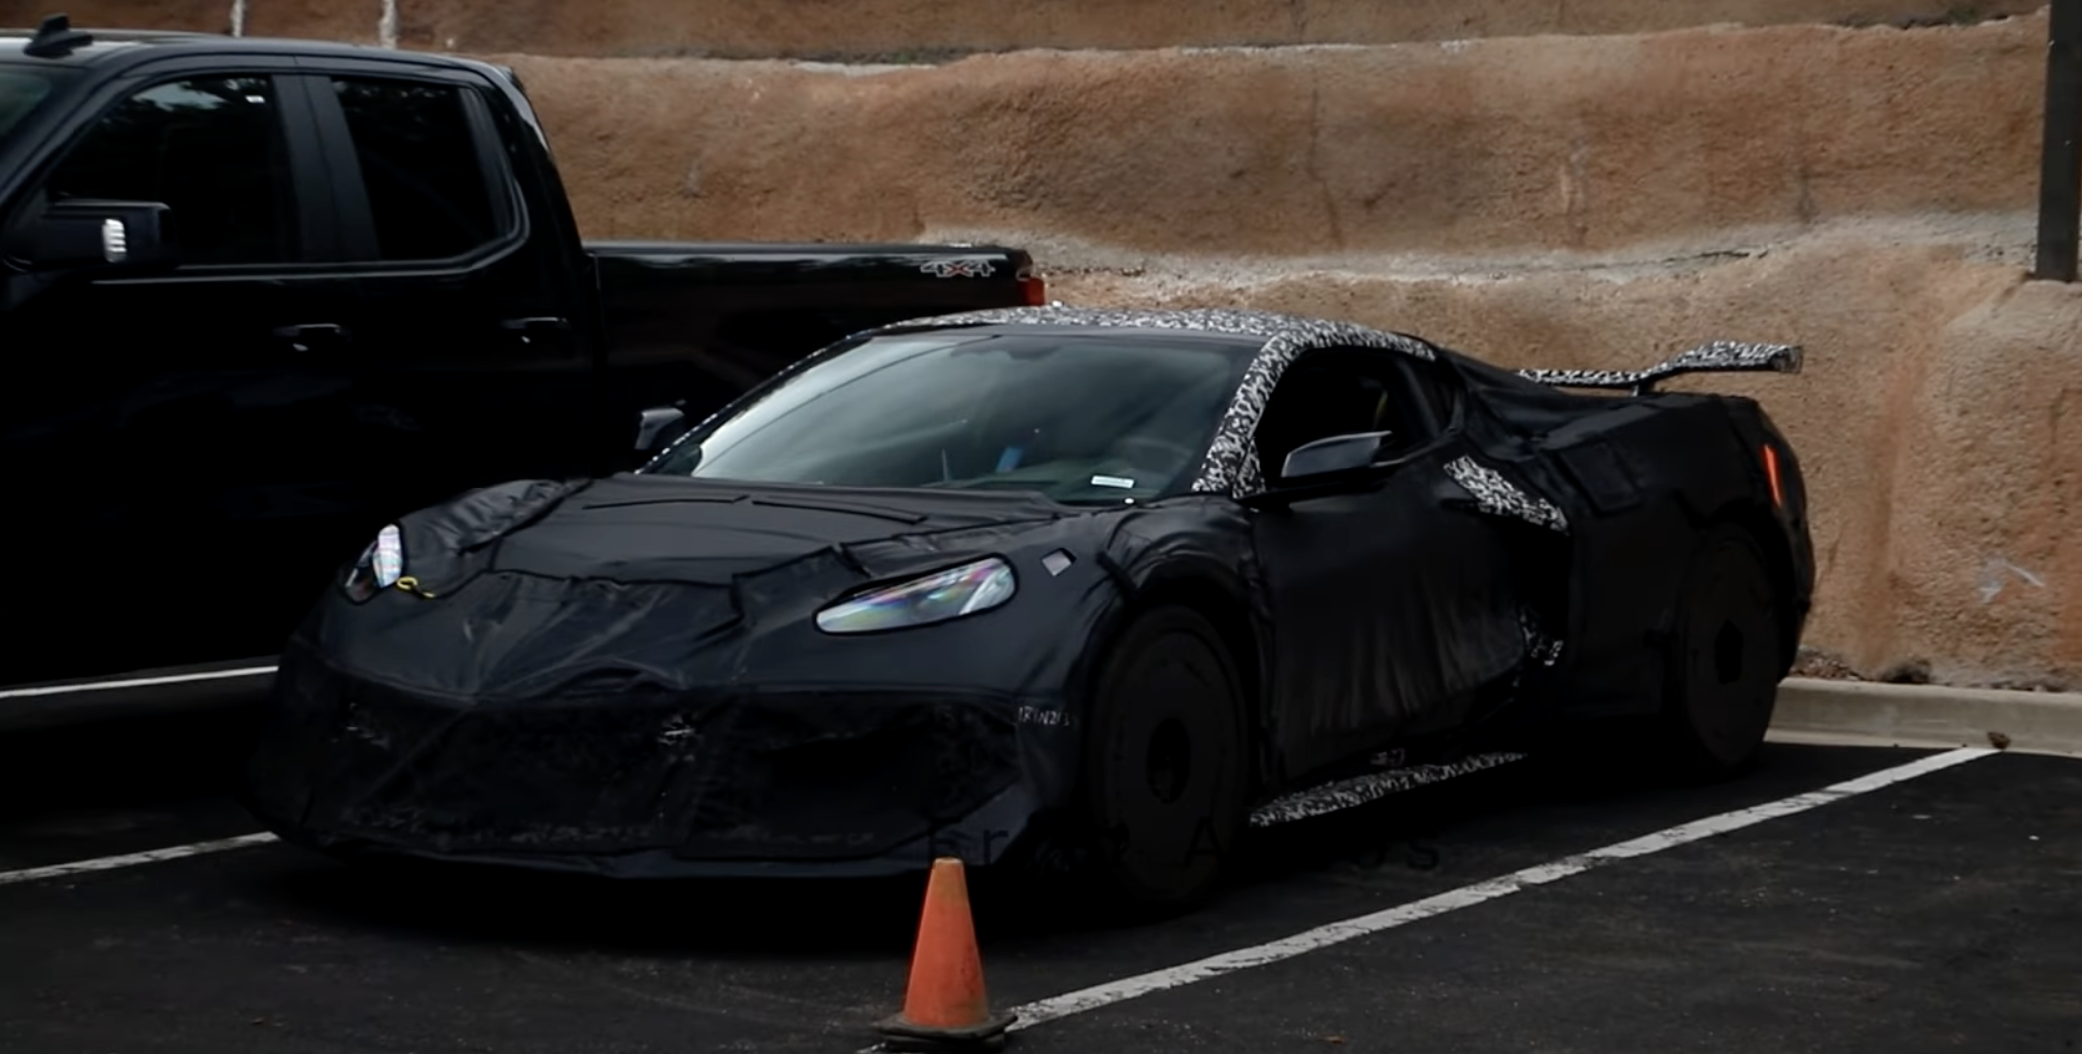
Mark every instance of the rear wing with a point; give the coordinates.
(1721, 356)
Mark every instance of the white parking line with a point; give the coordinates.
(136, 682)
(153, 856)
(1062, 1006)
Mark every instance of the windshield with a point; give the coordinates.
(1080, 418)
(22, 90)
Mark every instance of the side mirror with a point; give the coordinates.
(1334, 454)
(659, 426)
(99, 236)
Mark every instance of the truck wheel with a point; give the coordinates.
(1166, 780)
(1724, 661)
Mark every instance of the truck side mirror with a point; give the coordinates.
(115, 237)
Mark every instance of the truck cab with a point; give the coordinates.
(258, 298)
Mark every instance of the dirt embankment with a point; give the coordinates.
(926, 29)
(1513, 146)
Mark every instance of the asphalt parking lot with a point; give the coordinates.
(1917, 911)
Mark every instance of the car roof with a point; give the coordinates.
(1067, 331)
(1264, 328)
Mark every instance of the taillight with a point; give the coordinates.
(1033, 291)
(1778, 493)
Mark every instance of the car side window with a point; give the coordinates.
(1435, 387)
(211, 149)
(1338, 392)
(419, 163)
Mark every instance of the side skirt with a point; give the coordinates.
(1354, 791)
(1500, 731)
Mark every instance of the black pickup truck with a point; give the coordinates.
(258, 297)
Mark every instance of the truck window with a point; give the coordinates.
(22, 91)
(211, 150)
(419, 163)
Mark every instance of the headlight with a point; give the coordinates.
(381, 565)
(963, 590)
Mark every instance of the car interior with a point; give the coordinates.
(1345, 392)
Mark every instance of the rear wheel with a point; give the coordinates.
(1724, 660)
(1166, 776)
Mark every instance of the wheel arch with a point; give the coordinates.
(1217, 596)
(1755, 519)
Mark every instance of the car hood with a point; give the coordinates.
(604, 593)
(637, 528)
(537, 590)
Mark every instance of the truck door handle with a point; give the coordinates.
(535, 325)
(527, 328)
(302, 338)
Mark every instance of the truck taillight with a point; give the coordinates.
(1033, 290)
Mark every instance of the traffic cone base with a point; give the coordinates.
(900, 1034)
(946, 1007)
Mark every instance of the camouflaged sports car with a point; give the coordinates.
(1050, 587)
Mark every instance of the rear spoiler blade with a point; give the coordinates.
(1721, 356)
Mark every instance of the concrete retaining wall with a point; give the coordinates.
(1517, 146)
(931, 28)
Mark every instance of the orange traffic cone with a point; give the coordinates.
(946, 1007)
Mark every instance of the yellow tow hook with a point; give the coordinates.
(411, 585)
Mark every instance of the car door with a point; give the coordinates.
(469, 325)
(1393, 606)
(154, 430)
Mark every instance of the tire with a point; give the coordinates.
(1166, 776)
(1724, 660)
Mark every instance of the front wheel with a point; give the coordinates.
(1724, 661)
(1166, 784)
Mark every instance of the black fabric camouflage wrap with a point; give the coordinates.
(1359, 790)
(1498, 496)
(1721, 356)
